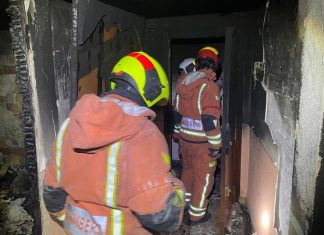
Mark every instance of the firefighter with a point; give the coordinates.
(110, 168)
(185, 67)
(198, 112)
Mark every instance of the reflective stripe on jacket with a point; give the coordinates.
(100, 159)
(198, 102)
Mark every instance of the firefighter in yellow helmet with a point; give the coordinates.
(110, 168)
(197, 113)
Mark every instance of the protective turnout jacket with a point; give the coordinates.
(181, 77)
(197, 109)
(196, 115)
(110, 171)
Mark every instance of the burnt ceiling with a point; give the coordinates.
(165, 8)
(168, 8)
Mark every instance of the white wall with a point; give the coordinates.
(311, 111)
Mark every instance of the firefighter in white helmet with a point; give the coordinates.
(185, 67)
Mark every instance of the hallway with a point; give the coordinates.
(271, 174)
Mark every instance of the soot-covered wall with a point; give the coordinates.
(43, 75)
(280, 89)
(159, 32)
(17, 199)
(293, 95)
(105, 34)
(276, 98)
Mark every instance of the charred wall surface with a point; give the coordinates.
(279, 89)
(105, 34)
(47, 25)
(61, 25)
(292, 91)
(317, 224)
(43, 72)
(16, 196)
(42, 77)
(24, 210)
(197, 26)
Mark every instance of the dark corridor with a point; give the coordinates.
(55, 51)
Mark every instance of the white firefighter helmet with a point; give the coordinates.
(187, 65)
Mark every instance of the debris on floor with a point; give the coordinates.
(239, 222)
(211, 226)
(15, 203)
(14, 219)
(207, 228)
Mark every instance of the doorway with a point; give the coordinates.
(180, 49)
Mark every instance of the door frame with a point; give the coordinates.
(231, 142)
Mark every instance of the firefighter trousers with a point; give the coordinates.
(197, 176)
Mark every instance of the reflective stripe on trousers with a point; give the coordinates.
(200, 210)
(197, 176)
(197, 211)
(187, 197)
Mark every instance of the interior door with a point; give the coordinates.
(228, 186)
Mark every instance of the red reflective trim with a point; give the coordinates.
(133, 54)
(147, 64)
